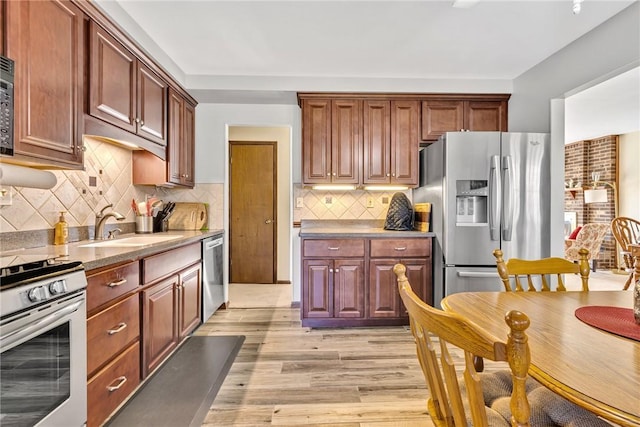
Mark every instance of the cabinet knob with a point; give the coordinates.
(334, 174)
(337, 270)
(137, 120)
(388, 174)
(81, 148)
(141, 122)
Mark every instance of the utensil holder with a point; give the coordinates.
(144, 224)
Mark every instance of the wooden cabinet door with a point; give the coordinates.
(160, 305)
(317, 288)
(486, 115)
(405, 142)
(113, 75)
(376, 142)
(189, 298)
(383, 289)
(176, 123)
(439, 117)
(46, 40)
(348, 288)
(419, 275)
(346, 140)
(151, 118)
(187, 157)
(316, 141)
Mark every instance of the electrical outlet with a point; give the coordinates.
(299, 202)
(328, 200)
(385, 200)
(6, 197)
(369, 202)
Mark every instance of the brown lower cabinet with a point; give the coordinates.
(170, 302)
(137, 315)
(350, 282)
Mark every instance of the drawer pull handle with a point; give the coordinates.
(121, 382)
(334, 248)
(117, 283)
(118, 328)
(400, 249)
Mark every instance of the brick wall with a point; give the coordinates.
(581, 159)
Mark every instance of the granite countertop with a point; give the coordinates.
(96, 257)
(354, 228)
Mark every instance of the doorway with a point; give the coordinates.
(252, 211)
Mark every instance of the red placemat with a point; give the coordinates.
(616, 320)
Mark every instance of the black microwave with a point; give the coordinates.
(6, 105)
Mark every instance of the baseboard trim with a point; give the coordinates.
(283, 282)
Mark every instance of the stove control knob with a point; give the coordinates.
(58, 287)
(37, 294)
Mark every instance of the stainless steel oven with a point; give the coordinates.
(43, 361)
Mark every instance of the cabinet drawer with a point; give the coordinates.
(394, 248)
(108, 284)
(111, 330)
(333, 248)
(103, 393)
(161, 265)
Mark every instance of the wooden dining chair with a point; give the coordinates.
(446, 405)
(506, 397)
(541, 272)
(626, 231)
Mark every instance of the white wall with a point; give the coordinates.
(629, 175)
(609, 47)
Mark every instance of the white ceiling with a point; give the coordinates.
(371, 39)
(264, 51)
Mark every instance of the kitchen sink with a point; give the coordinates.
(129, 242)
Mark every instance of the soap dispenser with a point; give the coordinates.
(61, 231)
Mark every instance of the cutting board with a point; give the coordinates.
(188, 216)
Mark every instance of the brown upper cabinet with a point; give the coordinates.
(46, 41)
(123, 91)
(451, 115)
(178, 168)
(373, 139)
(331, 141)
(78, 73)
(391, 142)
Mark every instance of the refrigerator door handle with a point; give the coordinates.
(478, 274)
(494, 199)
(508, 179)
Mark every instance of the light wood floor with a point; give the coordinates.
(289, 375)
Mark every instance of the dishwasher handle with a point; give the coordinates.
(213, 244)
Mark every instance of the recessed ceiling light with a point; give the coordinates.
(464, 4)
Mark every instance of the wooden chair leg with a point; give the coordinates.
(628, 282)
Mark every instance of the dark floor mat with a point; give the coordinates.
(183, 389)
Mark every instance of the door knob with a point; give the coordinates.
(268, 221)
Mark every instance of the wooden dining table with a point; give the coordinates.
(597, 370)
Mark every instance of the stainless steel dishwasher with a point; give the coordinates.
(212, 276)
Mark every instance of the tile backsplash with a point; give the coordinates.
(106, 179)
(357, 204)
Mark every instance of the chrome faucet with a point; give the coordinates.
(101, 218)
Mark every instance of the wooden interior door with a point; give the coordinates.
(252, 212)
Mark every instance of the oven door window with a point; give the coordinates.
(35, 377)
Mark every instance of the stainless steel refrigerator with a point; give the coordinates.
(488, 190)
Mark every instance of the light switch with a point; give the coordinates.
(369, 202)
(299, 202)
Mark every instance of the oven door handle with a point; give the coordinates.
(21, 333)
